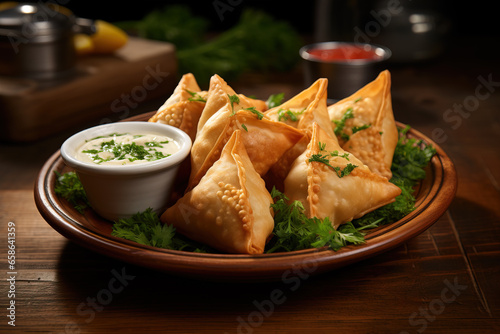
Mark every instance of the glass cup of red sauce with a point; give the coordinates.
(347, 66)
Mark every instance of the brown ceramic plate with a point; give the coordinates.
(434, 195)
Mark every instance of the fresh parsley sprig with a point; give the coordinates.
(69, 187)
(295, 231)
(146, 228)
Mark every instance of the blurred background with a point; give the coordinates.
(468, 17)
(252, 44)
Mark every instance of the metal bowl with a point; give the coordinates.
(345, 76)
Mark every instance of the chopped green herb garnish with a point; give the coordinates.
(130, 152)
(284, 115)
(233, 99)
(256, 112)
(275, 100)
(153, 144)
(337, 154)
(195, 97)
(244, 127)
(323, 158)
(359, 128)
(320, 158)
(344, 172)
(340, 124)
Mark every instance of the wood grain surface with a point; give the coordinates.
(442, 281)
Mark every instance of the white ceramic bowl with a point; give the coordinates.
(121, 191)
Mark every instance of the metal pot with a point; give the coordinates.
(36, 41)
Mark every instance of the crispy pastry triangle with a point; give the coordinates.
(305, 108)
(265, 141)
(181, 109)
(222, 104)
(325, 180)
(301, 111)
(364, 124)
(218, 101)
(230, 208)
(184, 107)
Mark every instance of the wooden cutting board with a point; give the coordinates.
(102, 85)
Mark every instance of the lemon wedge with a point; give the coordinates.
(108, 37)
(83, 44)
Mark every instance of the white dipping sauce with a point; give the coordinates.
(125, 149)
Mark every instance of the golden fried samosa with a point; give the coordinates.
(222, 104)
(221, 96)
(229, 209)
(364, 124)
(183, 108)
(265, 141)
(301, 111)
(305, 108)
(333, 183)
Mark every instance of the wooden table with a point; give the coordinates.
(445, 280)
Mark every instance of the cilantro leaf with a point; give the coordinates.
(284, 115)
(195, 97)
(320, 158)
(295, 231)
(359, 128)
(256, 112)
(146, 228)
(346, 171)
(323, 158)
(340, 124)
(233, 99)
(275, 100)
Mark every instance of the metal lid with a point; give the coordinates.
(34, 23)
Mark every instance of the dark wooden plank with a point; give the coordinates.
(56, 276)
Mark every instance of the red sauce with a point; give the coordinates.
(345, 53)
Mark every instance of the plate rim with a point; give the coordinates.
(261, 267)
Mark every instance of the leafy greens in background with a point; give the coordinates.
(293, 230)
(257, 42)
